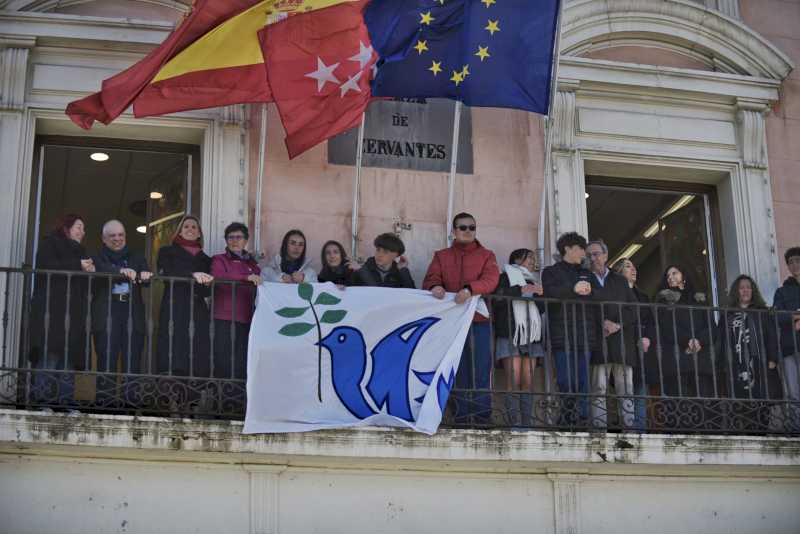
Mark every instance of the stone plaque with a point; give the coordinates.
(415, 134)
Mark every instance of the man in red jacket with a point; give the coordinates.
(468, 269)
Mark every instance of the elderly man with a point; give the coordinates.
(467, 269)
(117, 305)
(616, 328)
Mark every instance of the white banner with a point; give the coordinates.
(320, 357)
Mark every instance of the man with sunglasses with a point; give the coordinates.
(466, 268)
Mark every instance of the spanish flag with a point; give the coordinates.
(213, 58)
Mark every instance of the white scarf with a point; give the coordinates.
(527, 321)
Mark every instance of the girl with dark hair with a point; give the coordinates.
(744, 346)
(290, 265)
(53, 346)
(336, 266)
(682, 339)
(518, 328)
(184, 302)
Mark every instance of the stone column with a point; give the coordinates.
(14, 57)
(225, 187)
(752, 197)
(568, 193)
(264, 498)
(567, 502)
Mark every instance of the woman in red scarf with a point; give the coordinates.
(183, 302)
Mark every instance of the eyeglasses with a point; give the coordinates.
(464, 227)
(596, 254)
(234, 237)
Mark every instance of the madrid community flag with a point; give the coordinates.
(319, 67)
(320, 357)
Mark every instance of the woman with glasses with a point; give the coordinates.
(233, 302)
(290, 265)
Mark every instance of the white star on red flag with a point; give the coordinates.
(351, 84)
(323, 74)
(364, 55)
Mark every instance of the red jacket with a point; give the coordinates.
(463, 266)
(228, 266)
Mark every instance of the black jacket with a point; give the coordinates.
(787, 297)
(174, 260)
(619, 347)
(572, 326)
(369, 275)
(101, 288)
(342, 276)
(58, 252)
(675, 326)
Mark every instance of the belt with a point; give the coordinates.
(120, 297)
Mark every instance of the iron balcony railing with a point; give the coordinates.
(75, 341)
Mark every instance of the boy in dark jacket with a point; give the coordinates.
(382, 270)
(787, 298)
(572, 325)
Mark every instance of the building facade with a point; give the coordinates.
(664, 102)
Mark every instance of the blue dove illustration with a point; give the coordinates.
(391, 362)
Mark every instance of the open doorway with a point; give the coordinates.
(655, 227)
(147, 186)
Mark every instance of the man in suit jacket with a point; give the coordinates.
(117, 303)
(616, 354)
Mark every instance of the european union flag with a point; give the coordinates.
(495, 53)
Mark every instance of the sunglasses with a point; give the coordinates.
(464, 227)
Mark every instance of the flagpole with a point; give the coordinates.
(357, 188)
(451, 182)
(262, 149)
(548, 138)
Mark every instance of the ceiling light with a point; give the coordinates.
(155, 195)
(141, 229)
(653, 230)
(685, 199)
(630, 251)
(99, 156)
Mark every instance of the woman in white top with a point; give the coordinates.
(290, 266)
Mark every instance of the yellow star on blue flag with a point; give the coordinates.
(458, 35)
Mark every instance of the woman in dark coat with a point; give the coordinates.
(683, 359)
(185, 258)
(336, 266)
(52, 346)
(643, 326)
(683, 336)
(744, 343)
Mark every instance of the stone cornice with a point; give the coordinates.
(80, 31)
(678, 23)
(726, 88)
(160, 439)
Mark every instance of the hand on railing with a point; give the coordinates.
(532, 289)
(87, 265)
(644, 343)
(255, 279)
(203, 278)
(694, 346)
